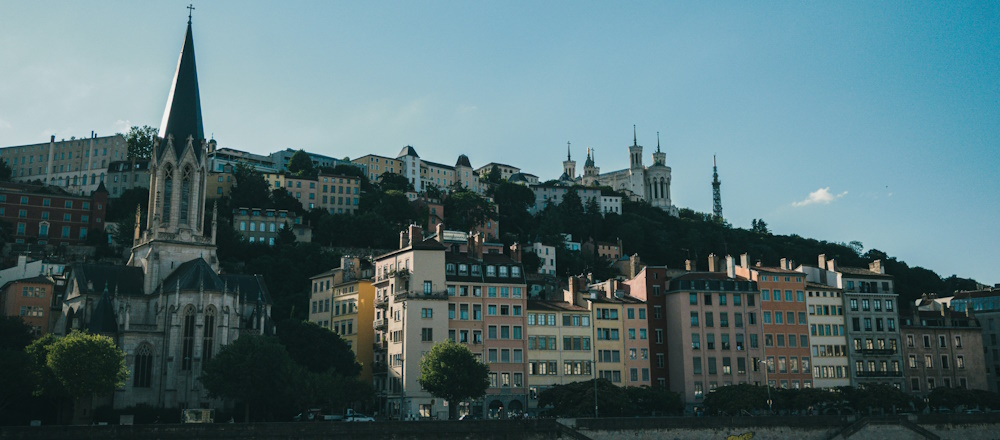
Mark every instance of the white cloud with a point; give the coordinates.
(822, 195)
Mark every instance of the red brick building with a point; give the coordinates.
(41, 214)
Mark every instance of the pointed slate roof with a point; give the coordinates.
(182, 117)
(104, 319)
(92, 279)
(408, 151)
(193, 275)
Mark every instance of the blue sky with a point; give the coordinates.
(885, 115)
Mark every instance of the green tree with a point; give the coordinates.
(140, 142)
(759, 227)
(250, 190)
(301, 164)
(494, 177)
(255, 370)
(450, 371)
(282, 199)
(5, 171)
(577, 399)
(393, 181)
(316, 348)
(18, 380)
(464, 210)
(87, 364)
(15, 334)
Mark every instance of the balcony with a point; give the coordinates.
(380, 324)
(877, 351)
(413, 294)
(879, 374)
(381, 345)
(381, 303)
(380, 368)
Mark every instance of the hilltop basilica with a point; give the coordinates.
(638, 182)
(169, 308)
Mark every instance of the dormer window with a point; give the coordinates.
(491, 271)
(515, 271)
(450, 268)
(463, 269)
(475, 270)
(503, 271)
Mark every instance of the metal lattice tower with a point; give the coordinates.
(716, 192)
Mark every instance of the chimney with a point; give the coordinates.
(822, 261)
(876, 266)
(690, 265)
(416, 234)
(784, 263)
(633, 265)
(53, 139)
(439, 232)
(730, 266)
(831, 265)
(713, 263)
(404, 239)
(515, 252)
(744, 260)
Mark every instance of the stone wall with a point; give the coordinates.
(958, 427)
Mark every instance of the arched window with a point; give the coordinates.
(187, 348)
(143, 366)
(208, 336)
(168, 190)
(185, 193)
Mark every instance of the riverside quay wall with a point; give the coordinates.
(931, 427)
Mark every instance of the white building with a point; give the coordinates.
(546, 256)
(554, 194)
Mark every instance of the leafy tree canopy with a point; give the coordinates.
(250, 190)
(5, 171)
(301, 164)
(316, 348)
(253, 369)
(465, 210)
(140, 142)
(15, 334)
(393, 181)
(576, 399)
(87, 364)
(450, 371)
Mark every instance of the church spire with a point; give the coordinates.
(657, 142)
(567, 151)
(634, 139)
(182, 116)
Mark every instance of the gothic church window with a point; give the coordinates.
(168, 190)
(208, 336)
(187, 348)
(185, 193)
(143, 366)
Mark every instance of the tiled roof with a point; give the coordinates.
(555, 306)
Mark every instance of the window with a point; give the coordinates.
(208, 335)
(694, 319)
(428, 313)
(187, 346)
(143, 370)
(426, 334)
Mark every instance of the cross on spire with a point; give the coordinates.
(190, 8)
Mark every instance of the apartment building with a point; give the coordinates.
(258, 225)
(32, 300)
(335, 194)
(713, 333)
(985, 306)
(221, 158)
(784, 322)
(560, 341)
(942, 348)
(281, 158)
(621, 332)
(483, 294)
(506, 171)
(49, 215)
(546, 257)
(125, 175)
(375, 165)
(554, 194)
(827, 336)
(650, 286)
(76, 165)
(343, 301)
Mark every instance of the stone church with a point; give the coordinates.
(638, 181)
(169, 308)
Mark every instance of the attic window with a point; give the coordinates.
(463, 269)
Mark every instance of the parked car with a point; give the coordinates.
(358, 417)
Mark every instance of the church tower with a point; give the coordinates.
(569, 167)
(178, 168)
(635, 153)
(591, 172)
